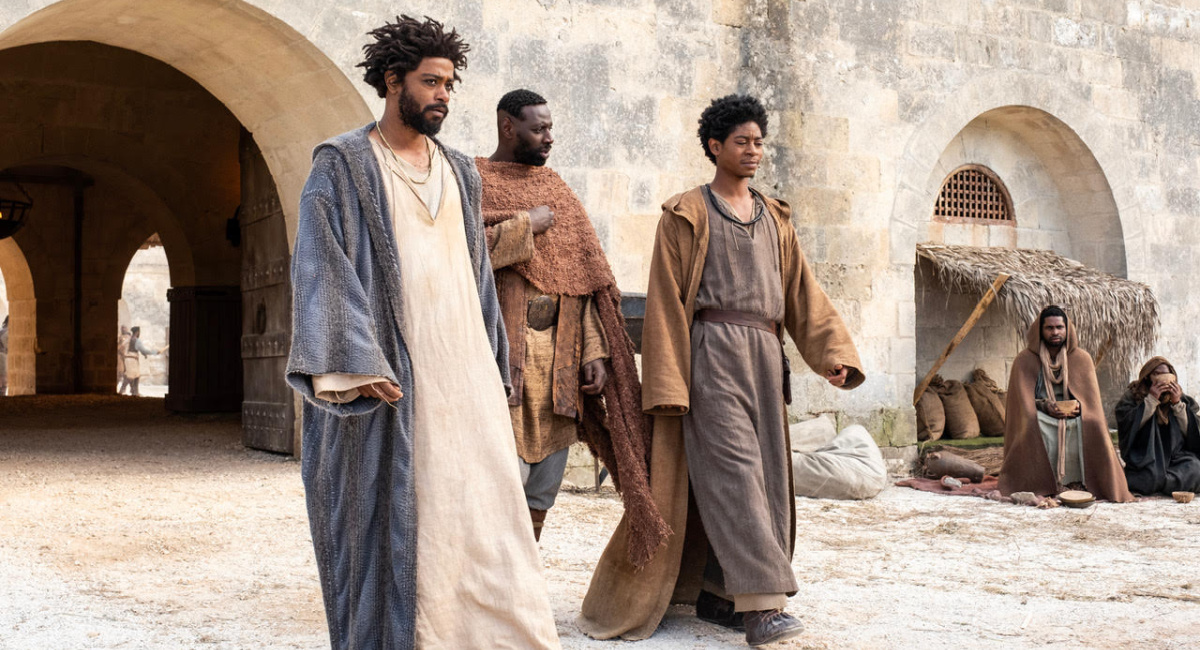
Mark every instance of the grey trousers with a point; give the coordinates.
(542, 479)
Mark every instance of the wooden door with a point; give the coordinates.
(268, 412)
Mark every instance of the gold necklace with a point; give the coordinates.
(399, 167)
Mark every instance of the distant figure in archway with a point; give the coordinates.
(4, 357)
(122, 345)
(134, 350)
(1159, 432)
(1055, 433)
(414, 494)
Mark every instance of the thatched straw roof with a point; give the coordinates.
(1112, 315)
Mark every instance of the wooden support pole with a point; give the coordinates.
(962, 334)
(1103, 351)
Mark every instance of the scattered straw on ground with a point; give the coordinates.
(122, 527)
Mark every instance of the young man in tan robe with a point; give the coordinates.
(726, 279)
(414, 496)
(1055, 431)
(561, 308)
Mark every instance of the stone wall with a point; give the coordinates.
(867, 101)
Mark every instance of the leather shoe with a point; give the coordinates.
(771, 626)
(714, 609)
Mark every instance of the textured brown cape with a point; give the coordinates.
(568, 260)
(1026, 464)
(628, 601)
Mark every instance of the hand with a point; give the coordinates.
(837, 376)
(1156, 391)
(594, 377)
(1176, 392)
(384, 390)
(541, 218)
(1053, 409)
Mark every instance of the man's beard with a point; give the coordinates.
(528, 155)
(413, 115)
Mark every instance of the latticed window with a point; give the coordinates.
(976, 193)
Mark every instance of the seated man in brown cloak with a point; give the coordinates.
(1055, 435)
(572, 366)
(726, 279)
(1159, 432)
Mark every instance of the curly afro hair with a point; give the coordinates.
(515, 101)
(726, 114)
(400, 46)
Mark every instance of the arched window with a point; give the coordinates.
(975, 193)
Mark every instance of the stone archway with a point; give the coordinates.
(285, 94)
(1015, 98)
(280, 86)
(22, 319)
(1069, 168)
(1061, 197)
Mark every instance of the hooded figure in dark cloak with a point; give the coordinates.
(1159, 432)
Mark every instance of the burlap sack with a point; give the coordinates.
(961, 422)
(987, 402)
(849, 467)
(931, 417)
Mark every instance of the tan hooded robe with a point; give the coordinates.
(625, 600)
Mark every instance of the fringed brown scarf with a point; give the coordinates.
(1057, 375)
(568, 260)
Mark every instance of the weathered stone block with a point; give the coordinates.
(825, 132)
(729, 12)
(900, 461)
(858, 173)
(890, 427)
(820, 206)
(607, 193)
(932, 42)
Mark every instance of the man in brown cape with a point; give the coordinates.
(1055, 433)
(726, 278)
(561, 306)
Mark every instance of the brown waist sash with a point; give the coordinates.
(757, 322)
(738, 318)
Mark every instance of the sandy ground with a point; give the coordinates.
(121, 527)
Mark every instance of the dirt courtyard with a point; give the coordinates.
(122, 527)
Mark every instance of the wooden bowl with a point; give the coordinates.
(1076, 498)
(1183, 497)
(1164, 378)
(1068, 405)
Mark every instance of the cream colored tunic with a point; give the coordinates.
(479, 580)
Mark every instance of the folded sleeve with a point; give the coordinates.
(341, 388)
(595, 343)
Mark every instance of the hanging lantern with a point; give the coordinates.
(14, 211)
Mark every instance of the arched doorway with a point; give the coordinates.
(278, 85)
(1060, 200)
(923, 166)
(280, 95)
(143, 311)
